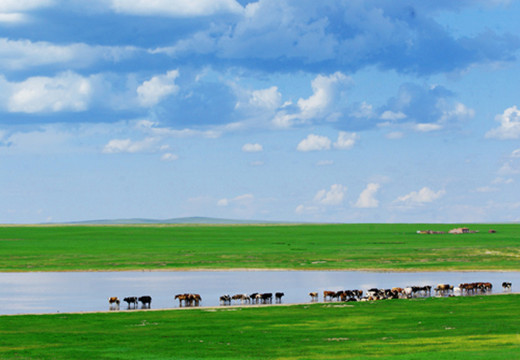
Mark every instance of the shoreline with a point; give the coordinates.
(177, 270)
(236, 307)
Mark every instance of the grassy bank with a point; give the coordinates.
(480, 327)
(316, 247)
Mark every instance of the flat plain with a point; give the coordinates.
(476, 327)
(395, 247)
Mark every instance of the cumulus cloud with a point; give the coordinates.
(266, 98)
(152, 91)
(367, 197)
(66, 92)
(322, 105)
(176, 8)
(241, 200)
(345, 35)
(509, 125)
(128, 146)
(23, 54)
(423, 196)
(345, 140)
(169, 157)
(252, 148)
(13, 11)
(333, 196)
(314, 143)
(424, 109)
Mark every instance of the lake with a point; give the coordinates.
(58, 292)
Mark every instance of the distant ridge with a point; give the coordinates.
(182, 220)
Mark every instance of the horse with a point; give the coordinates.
(131, 300)
(181, 298)
(328, 294)
(244, 298)
(278, 297)
(225, 300)
(146, 300)
(114, 302)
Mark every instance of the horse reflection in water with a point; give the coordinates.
(188, 299)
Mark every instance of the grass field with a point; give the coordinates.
(315, 247)
(479, 327)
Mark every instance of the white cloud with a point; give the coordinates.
(241, 200)
(334, 196)
(12, 18)
(392, 116)
(425, 195)
(153, 91)
(266, 98)
(176, 8)
(324, 92)
(367, 197)
(314, 143)
(169, 157)
(509, 125)
(252, 148)
(7, 6)
(323, 104)
(65, 92)
(22, 54)
(345, 140)
(128, 146)
(427, 127)
(456, 112)
(302, 209)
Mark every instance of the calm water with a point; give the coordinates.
(89, 291)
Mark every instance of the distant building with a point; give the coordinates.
(462, 230)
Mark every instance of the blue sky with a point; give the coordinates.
(282, 110)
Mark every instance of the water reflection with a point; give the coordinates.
(90, 291)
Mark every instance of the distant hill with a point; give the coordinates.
(183, 220)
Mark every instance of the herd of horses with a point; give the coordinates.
(189, 300)
(254, 298)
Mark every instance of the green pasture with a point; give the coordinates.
(300, 247)
(478, 327)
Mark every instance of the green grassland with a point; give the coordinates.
(301, 247)
(478, 327)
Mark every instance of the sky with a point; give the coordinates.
(278, 110)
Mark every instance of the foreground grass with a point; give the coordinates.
(316, 247)
(480, 327)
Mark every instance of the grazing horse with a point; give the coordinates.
(328, 294)
(267, 298)
(131, 300)
(254, 298)
(314, 296)
(506, 285)
(146, 300)
(425, 290)
(244, 298)
(194, 299)
(278, 297)
(225, 300)
(114, 302)
(181, 298)
(444, 289)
